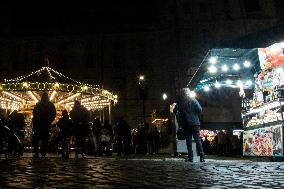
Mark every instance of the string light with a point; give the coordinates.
(52, 95)
(69, 98)
(32, 96)
(20, 84)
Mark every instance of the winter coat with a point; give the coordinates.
(43, 115)
(190, 109)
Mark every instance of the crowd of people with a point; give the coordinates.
(76, 127)
(224, 143)
(96, 137)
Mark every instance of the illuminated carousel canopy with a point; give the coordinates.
(24, 92)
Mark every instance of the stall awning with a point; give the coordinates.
(236, 52)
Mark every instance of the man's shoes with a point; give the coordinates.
(190, 159)
(202, 159)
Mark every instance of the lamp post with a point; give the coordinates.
(165, 104)
(141, 80)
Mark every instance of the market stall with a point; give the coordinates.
(263, 113)
(258, 76)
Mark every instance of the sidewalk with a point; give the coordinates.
(152, 157)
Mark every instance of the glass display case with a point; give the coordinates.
(263, 130)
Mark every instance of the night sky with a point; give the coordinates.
(80, 17)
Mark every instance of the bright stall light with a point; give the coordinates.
(246, 64)
(276, 48)
(206, 88)
(213, 60)
(192, 94)
(229, 82)
(279, 70)
(217, 84)
(282, 44)
(239, 83)
(248, 83)
(225, 68)
(212, 69)
(236, 67)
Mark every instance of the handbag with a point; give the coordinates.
(180, 134)
(180, 131)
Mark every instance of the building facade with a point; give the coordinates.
(112, 45)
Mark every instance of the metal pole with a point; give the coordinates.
(143, 106)
(109, 113)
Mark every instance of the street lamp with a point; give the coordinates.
(165, 96)
(141, 80)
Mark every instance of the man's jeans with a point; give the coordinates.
(193, 130)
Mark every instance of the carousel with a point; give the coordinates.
(22, 94)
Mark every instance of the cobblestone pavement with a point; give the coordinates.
(53, 172)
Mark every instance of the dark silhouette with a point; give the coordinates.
(10, 143)
(80, 117)
(96, 127)
(17, 123)
(123, 137)
(43, 115)
(190, 108)
(141, 147)
(150, 141)
(156, 140)
(105, 138)
(206, 146)
(221, 139)
(65, 126)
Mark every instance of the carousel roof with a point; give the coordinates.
(24, 91)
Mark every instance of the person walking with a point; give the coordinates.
(156, 137)
(190, 108)
(65, 127)
(80, 117)
(123, 137)
(43, 115)
(96, 127)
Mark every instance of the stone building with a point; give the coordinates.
(111, 45)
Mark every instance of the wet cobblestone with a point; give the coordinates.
(112, 173)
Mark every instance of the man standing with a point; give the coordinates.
(190, 108)
(43, 115)
(80, 117)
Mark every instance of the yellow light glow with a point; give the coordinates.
(52, 95)
(158, 119)
(25, 84)
(85, 88)
(56, 85)
(69, 98)
(33, 96)
(13, 96)
(141, 77)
